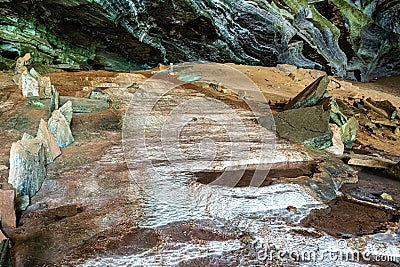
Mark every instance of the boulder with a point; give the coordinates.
(52, 149)
(311, 95)
(59, 128)
(28, 84)
(45, 88)
(309, 126)
(7, 208)
(27, 165)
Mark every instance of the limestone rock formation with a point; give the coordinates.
(352, 39)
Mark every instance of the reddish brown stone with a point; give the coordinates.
(7, 211)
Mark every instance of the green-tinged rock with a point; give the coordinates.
(5, 258)
(79, 105)
(54, 102)
(59, 128)
(309, 126)
(27, 165)
(22, 202)
(311, 95)
(336, 115)
(349, 132)
(190, 77)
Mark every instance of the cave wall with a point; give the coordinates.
(351, 39)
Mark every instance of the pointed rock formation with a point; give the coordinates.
(27, 165)
(54, 101)
(311, 95)
(20, 66)
(67, 111)
(59, 128)
(52, 149)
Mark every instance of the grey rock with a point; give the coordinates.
(52, 149)
(309, 126)
(60, 129)
(27, 165)
(66, 110)
(311, 95)
(28, 84)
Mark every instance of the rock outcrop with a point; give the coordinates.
(351, 39)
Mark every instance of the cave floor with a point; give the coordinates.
(103, 203)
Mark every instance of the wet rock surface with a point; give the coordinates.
(91, 212)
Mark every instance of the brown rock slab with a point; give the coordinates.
(370, 161)
(7, 209)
